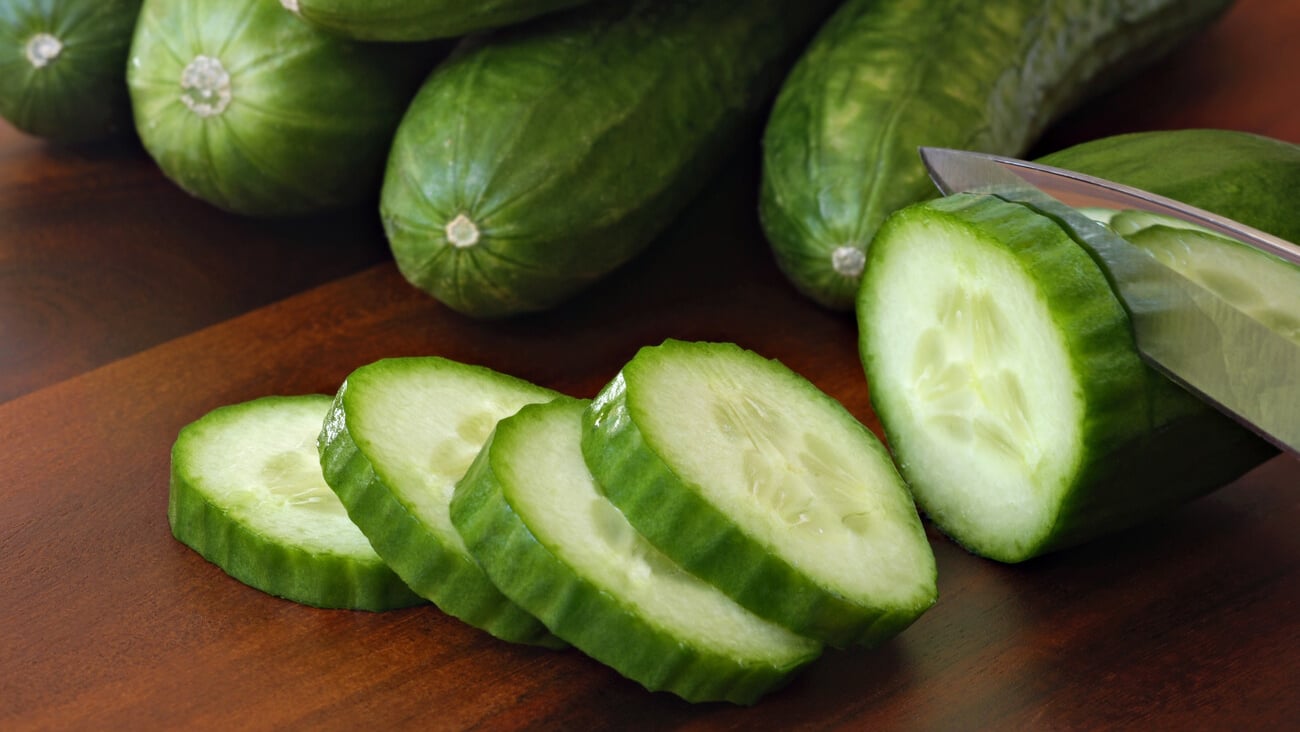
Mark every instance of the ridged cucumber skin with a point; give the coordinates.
(453, 582)
(78, 95)
(568, 144)
(589, 617)
(323, 580)
(704, 540)
(1146, 445)
(300, 123)
(418, 20)
(886, 76)
(1247, 177)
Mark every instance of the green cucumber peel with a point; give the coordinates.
(532, 515)
(750, 477)
(246, 493)
(399, 434)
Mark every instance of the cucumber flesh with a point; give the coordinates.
(533, 516)
(1003, 369)
(247, 493)
(1262, 285)
(399, 435)
(753, 479)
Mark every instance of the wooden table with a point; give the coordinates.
(128, 309)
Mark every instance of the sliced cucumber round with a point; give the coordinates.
(399, 435)
(247, 107)
(63, 67)
(1004, 371)
(531, 513)
(753, 479)
(247, 493)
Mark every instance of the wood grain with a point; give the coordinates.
(128, 309)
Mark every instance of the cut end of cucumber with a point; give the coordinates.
(848, 260)
(972, 377)
(462, 232)
(205, 86)
(42, 49)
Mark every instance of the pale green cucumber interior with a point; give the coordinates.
(788, 465)
(546, 480)
(1261, 285)
(983, 404)
(421, 427)
(258, 462)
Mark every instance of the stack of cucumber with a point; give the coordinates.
(704, 526)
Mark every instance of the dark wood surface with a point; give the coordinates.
(128, 309)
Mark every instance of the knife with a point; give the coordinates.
(1206, 343)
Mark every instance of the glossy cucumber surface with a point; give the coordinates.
(250, 109)
(63, 67)
(414, 20)
(539, 159)
(886, 76)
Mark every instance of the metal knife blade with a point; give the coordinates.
(1206, 343)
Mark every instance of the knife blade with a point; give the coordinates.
(1194, 335)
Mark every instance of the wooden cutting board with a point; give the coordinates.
(128, 310)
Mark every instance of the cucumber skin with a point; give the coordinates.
(704, 541)
(270, 567)
(330, 106)
(80, 96)
(1148, 445)
(1250, 178)
(886, 76)
(585, 615)
(418, 20)
(400, 538)
(574, 141)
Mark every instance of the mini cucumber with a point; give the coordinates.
(883, 77)
(253, 111)
(248, 495)
(63, 67)
(417, 20)
(532, 515)
(542, 157)
(399, 434)
(752, 478)
(1004, 371)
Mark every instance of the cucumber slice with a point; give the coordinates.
(753, 479)
(247, 494)
(1003, 369)
(399, 435)
(1262, 285)
(533, 516)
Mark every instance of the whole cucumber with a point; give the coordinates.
(417, 20)
(542, 157)
(63, 67)
(886, 76)
(1251, 178)
(254, 111)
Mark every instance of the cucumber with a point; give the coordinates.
(400, 433)
(1250, 178)
(541, 158)
(532, 515)
(62, 67)
(415, 20)
(248, 495)
(750, 477)
(250, 109)
(886, 76)
(1003, 369)
(1261, 285)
